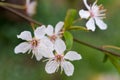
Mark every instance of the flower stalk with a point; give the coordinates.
(111, 47)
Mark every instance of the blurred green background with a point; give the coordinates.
(22, 67)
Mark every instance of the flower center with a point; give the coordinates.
(58, 58)
(34, 43)
(91, 14)
(53, 38)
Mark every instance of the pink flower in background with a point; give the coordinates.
(96, 14)
(31, 7)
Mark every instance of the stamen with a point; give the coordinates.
(53, 38)
(103, 11)
(34, 43)
(32, 55)
(29, 51)
(46, 60)
(58, 58)
(101, 7)
(101, 15)
(57, 68)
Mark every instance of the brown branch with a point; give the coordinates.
(21, 15)
(97, 48)
(81, 42)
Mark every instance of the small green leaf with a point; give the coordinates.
(69, 18)
(78, 28)
(68, 39)
(115, 61)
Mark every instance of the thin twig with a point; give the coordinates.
(33, 25)
(81, 42)
(22, 15)
(12, 5)
(97, 48)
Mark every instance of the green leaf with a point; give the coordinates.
(105, 58)
(78, 28)
(68, 39)
(115, 61)
(69, 18)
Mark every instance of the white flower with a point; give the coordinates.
(96, 14)
(38, 45)
(59, 59)
(56, 33)
(31, 7)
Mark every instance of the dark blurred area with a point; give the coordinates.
(8, 15)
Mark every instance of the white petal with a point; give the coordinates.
(72, 55)
(46, 52)
(46, 41)
(58, 27)
(49, 30)
(46, 48)
(91, 24)
(84, 14)
(40, 32)
(68, 68)
(38, 56)
(25, 35)
(60, 46)
(86, 4)
(22, 48)
(51, 66)
(36, 51)
(101, 24)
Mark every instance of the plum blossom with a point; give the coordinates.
(56, 33)
(38, 45)
(31, 7)
(60, 60)
(96, 14)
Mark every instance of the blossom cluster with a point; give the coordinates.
(47, 42)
